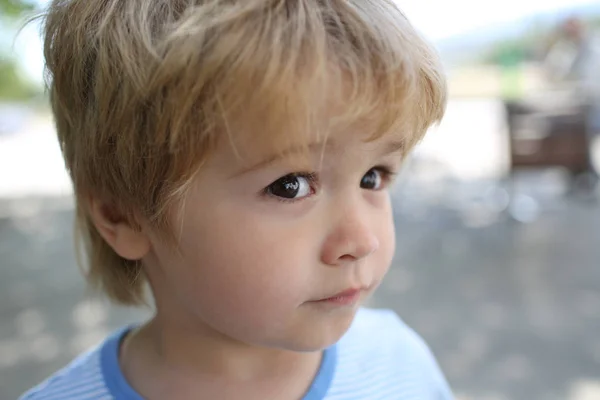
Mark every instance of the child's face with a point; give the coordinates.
(261, 248)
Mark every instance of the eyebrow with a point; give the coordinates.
(270, 159)
(395, 146)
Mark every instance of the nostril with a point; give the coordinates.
(347, 257)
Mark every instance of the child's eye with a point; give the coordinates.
(292, 187)
(376, 178)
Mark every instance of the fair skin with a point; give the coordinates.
(240, 306)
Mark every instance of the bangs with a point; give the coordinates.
(288, 75)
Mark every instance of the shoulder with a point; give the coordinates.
(82, 379)
(380, 352)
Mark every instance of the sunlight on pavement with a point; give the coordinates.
(30, 323)
(89, 318)
(11, 353)
(89, 315)
(470, 141)
(494, 396)
(44, 348)
(585, 390)
(31, 162)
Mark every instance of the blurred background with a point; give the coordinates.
(497, 211)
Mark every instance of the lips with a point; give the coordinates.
(347, 297)
(345, 293)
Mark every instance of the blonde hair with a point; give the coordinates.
(142, 90)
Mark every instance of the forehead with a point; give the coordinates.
(311, 120)
(246, 151)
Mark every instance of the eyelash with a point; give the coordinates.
(387, 174)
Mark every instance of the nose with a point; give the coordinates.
(352, 237)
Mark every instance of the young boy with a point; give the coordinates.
(234, 156)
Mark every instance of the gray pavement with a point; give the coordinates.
(511, 310)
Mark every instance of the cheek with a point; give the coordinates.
(240, 262)
(387, 238)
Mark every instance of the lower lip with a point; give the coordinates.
(343, 300)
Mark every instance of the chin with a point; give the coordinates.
(320, 333)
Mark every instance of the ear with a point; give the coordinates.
(125, 240)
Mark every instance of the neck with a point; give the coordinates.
(207, 350)
(203, 359)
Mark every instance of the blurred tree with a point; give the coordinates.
(594, 22)
(515, 50)
(12, 85)
(530, 46)
(14, 8)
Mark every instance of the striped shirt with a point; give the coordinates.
(378, 358)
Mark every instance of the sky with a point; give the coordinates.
(441, 19)
(436, 19)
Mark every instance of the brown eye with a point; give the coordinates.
(290, 187)
(372, 180)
